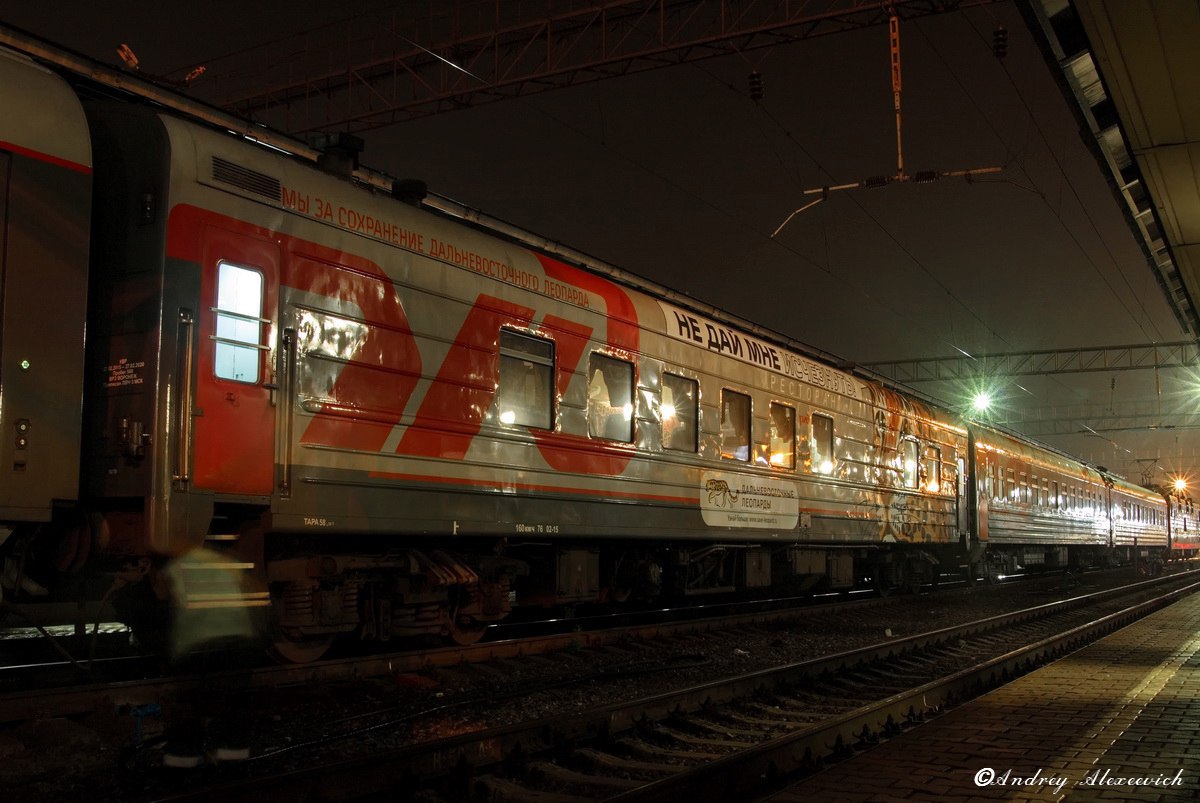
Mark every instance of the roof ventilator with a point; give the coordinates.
(339, 152)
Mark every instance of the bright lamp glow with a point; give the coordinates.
(982, 402)
(1180, 484)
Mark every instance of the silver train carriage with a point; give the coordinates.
(1036, 507)
(304, 396)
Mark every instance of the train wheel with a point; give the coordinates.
(619, 593)
(300, 650)
(889, 578)
(465, 631)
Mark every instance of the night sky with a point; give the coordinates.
(678, 176)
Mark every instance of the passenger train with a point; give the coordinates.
(236, 381)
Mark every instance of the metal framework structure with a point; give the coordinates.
(1051, 361)
(392, 68)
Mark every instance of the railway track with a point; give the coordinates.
(713, 740)
(39, 682)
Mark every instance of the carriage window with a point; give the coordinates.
(933, 470)
(735, 425)
(909, 468)
(990, 486)
(1055, 502)
(783, 436)
(822, 444)
(1010, 485)
(678, 410)
(525, 395)
(610, 398)
(239, 323)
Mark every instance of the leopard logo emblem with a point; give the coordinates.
(719, 493)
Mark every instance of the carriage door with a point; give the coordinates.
(961, 507)
(234, 431)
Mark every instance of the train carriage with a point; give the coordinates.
(308, 396)
(1037, 507)
(332, 365)
(1138, 516)
(45, 203)
(1181, 523)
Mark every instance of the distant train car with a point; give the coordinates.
(1138, 515)
(1035, 507)
(1185, 540)
(307, 397)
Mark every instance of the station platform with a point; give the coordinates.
(1117, 720)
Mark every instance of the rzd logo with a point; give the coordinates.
(452, 410)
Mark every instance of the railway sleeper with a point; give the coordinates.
(631, 768)
(650, 750)
(727, 729)
(503, 790)
(676, 731)
(544, 771)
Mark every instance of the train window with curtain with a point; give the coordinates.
(822, 444)
(239, 323)
(680, 398)
(910, 471)
(610, 398)
(933, 470)
(525, 392)
(735, 425)
(783, 436)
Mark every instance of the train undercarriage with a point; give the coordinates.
(305, 591)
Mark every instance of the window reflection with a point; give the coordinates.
(735, 425)
(933, 470)
(239, 324)
(783, 436)
(822, 444)
(525, 396)
(610, 398)
(908, 463)
(678, 410)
